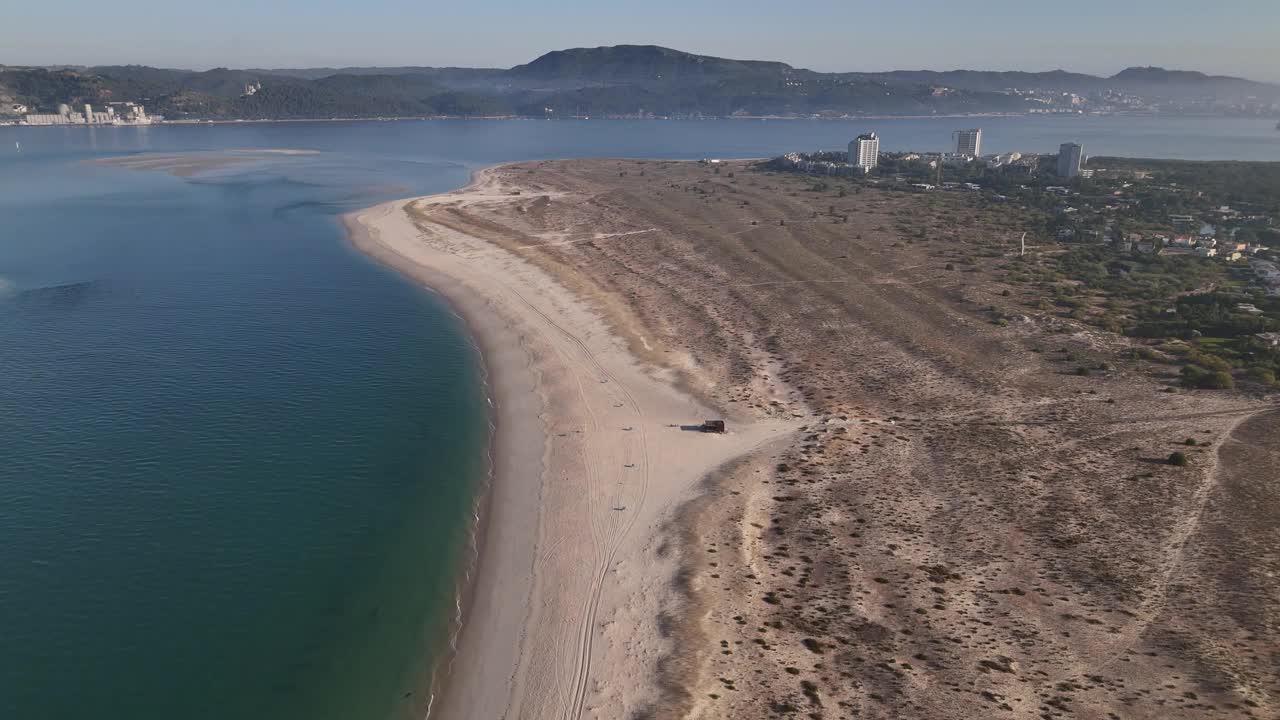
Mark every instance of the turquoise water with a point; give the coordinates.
(237, 460)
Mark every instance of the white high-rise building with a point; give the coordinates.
(1070, 159)
(864, 151)
(969, 142)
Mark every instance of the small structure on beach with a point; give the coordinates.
(713, 426)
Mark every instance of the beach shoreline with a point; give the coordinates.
(570, 570)
(495, 367)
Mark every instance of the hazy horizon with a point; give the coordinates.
(1093, 37)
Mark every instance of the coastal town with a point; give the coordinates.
(1183, 254)
(115, 113)
(1092, 213)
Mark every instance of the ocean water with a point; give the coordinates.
(237, 459)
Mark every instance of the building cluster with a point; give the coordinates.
(819, 163)
(1204, 245)
(1047, 101)
(1094, 213)
(115, 113)
(864, 150)
(864, 154)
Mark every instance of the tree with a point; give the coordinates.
(1178, 458)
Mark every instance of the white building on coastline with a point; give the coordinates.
(69, 118)
(969, 142)
(864, 151)
(116, 113)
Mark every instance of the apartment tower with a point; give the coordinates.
(1070, 160)
(969, 142)
(864, 152)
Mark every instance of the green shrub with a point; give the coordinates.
(1142, 353)
(1198, 377)
(1178, 458)
(1208, 362)
(1220, 380)
(1264, 375)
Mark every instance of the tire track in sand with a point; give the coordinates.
(586, 626)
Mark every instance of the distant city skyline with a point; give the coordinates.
(1233, 37)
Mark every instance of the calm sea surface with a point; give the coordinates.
(237, 460)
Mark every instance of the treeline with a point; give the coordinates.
(1235, 183)
(625, 83)
(339, 96)
(47, 89)
(1210, 315)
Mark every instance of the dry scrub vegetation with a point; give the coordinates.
(968, 525)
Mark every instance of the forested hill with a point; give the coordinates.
(630, 80)
(644, 64)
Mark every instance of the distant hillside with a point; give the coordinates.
(47, 88)
(642, 64)
(1181, 83)
(632, 80)
(988, 81)
(1157, 83)
(449, 76)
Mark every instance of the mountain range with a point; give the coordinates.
(623, 80)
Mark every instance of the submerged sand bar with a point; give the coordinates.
(188, 164)
(590, 462)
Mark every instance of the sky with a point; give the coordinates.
(1235, 37)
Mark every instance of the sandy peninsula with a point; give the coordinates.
(593, 454)
(923, 510)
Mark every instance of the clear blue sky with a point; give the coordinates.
(1239, 37)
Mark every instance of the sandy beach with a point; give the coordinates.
(923, 510)
(565, 613)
